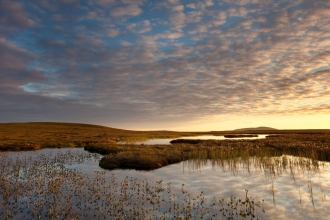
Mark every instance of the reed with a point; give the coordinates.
(150, 157)
(41, 187)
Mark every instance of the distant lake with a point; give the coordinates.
(202, 137)
(292, 187)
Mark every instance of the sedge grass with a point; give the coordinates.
(41, 187)
(150, 157)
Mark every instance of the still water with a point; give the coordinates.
(202, 137)
(295, 188)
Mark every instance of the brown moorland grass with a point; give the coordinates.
(148, 157)
(313, 144)
(37, 135)
(239, 135)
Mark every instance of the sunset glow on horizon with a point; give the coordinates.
(185, 65)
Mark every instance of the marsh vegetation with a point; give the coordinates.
(34, 136)
(44, 186)
(239, 135)
(32, 185)
(148, 157)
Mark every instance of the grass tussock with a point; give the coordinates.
(141, 159)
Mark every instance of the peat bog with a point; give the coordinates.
(84, 197)
(313, 144)
(148, 157)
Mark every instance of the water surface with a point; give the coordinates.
(295, 189)
(202, 137)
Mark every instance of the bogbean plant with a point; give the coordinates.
(42, 187)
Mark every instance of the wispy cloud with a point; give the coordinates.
(170, 58)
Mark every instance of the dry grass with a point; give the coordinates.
(33, 136)
(103, 140)
(148, 157)
(240, 135)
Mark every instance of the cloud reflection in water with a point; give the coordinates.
(288, 192)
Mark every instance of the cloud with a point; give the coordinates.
(194, 17)
(81, 39)
(145, 27)
(103, 2)
(57, 17)
(140, 27)
(177, 17)
(125, 43)
(198, 29)
(208, 2)
(13, 74)
(138, 2)
(15, 57)
(170, 35)
(113, 32)
(191, 5)
(69, 1)
(13, 15)
(127, 10)
(181, 61)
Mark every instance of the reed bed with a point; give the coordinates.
(148, 157)
(270, 166)
(42, 187)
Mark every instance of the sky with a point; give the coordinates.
(182, 65)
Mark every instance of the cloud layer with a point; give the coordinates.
(136, 60)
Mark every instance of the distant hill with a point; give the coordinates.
(256, 129)
(37, 135)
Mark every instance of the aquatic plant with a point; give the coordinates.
(42, 187)
(148, 157)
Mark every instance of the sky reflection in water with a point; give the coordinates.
(202, 137)
(288, 194)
